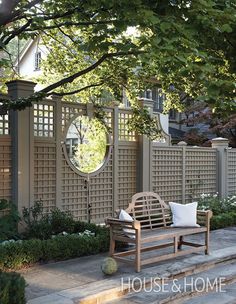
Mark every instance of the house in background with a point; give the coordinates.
(34, 52)
(29, 59)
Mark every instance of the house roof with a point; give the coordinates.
(24, 51)
(176, 133)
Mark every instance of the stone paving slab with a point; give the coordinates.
(174, 291)
(229, 297)
(71, 281)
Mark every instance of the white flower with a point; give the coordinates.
(86, 233)
(7, 242)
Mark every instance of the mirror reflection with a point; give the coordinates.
(86, 144)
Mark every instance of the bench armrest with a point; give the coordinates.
(114, 222)
(207, 213)
(203, 217)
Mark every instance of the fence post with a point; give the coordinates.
(183, 144)
(58, 133)
(221, 144)
(21, 124)
(145, 156)
(115, 158)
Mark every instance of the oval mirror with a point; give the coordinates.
(86, 144)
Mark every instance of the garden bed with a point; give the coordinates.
(24, 253)
(47, 237)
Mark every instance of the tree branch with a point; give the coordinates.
(6, 8)
(69, 23)
(229, 42)
(17, 32)
(77, 91)
(22, 103)
(85, 71)
(9, 15)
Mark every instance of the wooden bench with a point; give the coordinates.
(152, 219)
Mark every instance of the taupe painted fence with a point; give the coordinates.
(230, 159)
(33, 165)
(182, 173)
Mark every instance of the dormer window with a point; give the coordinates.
(190, 119)
(37, 61)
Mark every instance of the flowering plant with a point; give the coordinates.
(216, 204)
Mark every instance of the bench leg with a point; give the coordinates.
(138, 252)
(176, 244)
(181, 238)
(207, 241)
(112, 244)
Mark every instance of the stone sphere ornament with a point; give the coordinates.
(109, 266)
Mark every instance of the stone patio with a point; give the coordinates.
(81, 280)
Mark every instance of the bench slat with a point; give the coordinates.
(171, 255)
(168, 232)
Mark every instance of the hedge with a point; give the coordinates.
(12, 289)
(223, 220)
(15, 255)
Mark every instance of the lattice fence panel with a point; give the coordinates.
(101, 194)
(200, 174)
(127, 175)
(4, 125)
(109, 118)
(167, 173)
(43, 120)
(231, 182)
(45, 175)
(5, 169)
(124, 133)
(74, 193)
(70, 111)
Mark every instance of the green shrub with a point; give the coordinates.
(82, 226)
(8, 221)
(43, 226)
(71, 246)
(216, 204)
(15, 255)
(223, 220)
(12, 289)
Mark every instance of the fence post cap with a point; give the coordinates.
(182, 143)
(220, 141)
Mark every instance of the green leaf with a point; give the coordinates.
(164, 26)
(226, 28)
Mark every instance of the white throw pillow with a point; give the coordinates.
(124, 216)
(184, 215)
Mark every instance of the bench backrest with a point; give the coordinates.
(150, 210)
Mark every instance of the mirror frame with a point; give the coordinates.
(107, 155)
